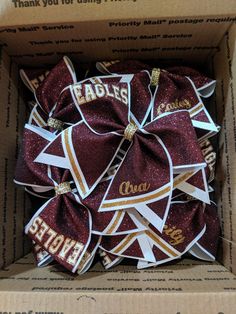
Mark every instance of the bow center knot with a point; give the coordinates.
(130, 131)
(62, 188)
(55, 124)
(155, 76)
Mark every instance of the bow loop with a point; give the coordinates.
(104, 107)
(176, 131)
(58, 78)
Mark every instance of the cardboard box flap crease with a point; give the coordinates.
(202, 33)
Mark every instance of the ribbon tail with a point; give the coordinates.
(200, 116)
(147, 194)
(89, 255)
(109, 260)
(152, 217)
(37, 117)
(146, 248)
(201, 253)
(197, 188)
(127, 246)
(207, 90)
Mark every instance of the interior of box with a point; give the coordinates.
(218, 59)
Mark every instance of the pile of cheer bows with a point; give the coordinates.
(123, 162)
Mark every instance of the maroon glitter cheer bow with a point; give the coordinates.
(35, 176)
(144, 179)
(54, 113)
(174, 88)
(52, 104)
(62, 226)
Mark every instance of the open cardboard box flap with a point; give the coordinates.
(200, 32)
(18, 12)
(186, 30)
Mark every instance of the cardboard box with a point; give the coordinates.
(200, 32)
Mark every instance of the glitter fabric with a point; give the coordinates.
(186, 222)
(27, 172)
(137, 192)
(178, 88)
(48, 93)
(209, 241)
(55, 225)
(203, 84)
(146, 171)
(53, 98)
(33, 78)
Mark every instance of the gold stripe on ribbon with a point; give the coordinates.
(156, 239)
(72, 162)
(38, 119)
(148, 198)
(125, 242)
(136, 201)
(182, 178)
(113, 226)
(194, 110)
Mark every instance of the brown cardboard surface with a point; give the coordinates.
(225, 73)
(123, 289)
(36, 35)
(110, 303)
(105, 40)
(186, 276)
(13, 202)
(54, 11)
